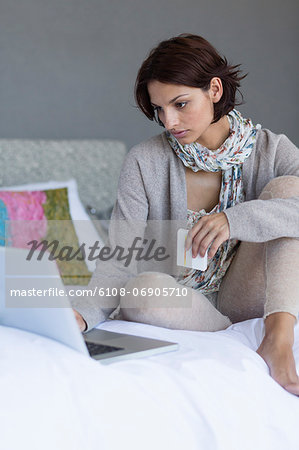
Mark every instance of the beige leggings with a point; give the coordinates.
(263, 278)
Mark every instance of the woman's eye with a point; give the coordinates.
(181, 105)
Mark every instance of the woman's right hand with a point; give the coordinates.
(80, 321)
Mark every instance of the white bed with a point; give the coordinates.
(214, 393)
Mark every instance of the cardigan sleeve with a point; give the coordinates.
(263, 220)
(128, 220)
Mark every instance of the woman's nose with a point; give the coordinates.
(170, 120)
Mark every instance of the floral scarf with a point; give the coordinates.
(229, 157)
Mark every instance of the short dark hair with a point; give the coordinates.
(188, 60)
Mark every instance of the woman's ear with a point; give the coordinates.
(216, 89)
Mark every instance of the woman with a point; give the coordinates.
(238, 187)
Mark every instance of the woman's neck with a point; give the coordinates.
(216, 134)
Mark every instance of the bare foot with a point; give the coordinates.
(278, 355)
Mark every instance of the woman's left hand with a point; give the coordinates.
(212, 228)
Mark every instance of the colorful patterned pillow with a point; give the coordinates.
(28, 216)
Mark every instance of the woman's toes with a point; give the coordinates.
(280, 360)
(293, 388)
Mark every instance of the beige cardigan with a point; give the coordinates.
(152, 186)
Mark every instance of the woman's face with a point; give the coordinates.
(186, 112)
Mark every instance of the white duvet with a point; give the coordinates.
(214, 393)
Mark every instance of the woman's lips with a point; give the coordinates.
(179, 134)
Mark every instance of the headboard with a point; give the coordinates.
(95, 164)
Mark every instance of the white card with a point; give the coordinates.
(184, 257)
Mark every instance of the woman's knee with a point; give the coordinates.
(147, 280)
(140, 292)
(281, 187)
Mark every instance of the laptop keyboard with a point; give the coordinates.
(98, 349)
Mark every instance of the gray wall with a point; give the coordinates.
(68, 66)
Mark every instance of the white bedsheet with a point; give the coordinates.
(213, 393)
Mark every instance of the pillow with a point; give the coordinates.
(49, 203)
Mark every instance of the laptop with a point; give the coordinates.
(52, 316)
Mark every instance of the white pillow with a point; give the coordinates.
(84, 227)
